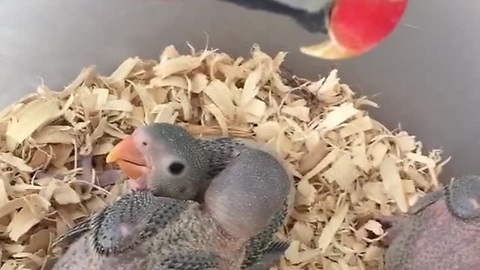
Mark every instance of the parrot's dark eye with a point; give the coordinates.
(176, 168)
(144, 143)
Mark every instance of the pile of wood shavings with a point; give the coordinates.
(349, 169)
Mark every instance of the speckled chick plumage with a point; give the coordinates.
(144, 231)
(442, 231)
(203, 159)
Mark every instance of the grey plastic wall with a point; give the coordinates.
(425, 75)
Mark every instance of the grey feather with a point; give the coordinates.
(141, 214)
(270, 256)
(145, 231)
(74, 233)
(198, 260)
(463, 197)
(425, 201)
(142, 231)
(261, 243)
(207, 159)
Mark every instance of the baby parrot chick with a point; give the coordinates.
(166, 160)
(442, 231)
(145, 231)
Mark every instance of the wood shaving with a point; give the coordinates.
(349, 169)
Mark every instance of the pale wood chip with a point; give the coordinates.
(330, 83)
(118, 105)
(9, 265)
(377, 153)
(54, 134)
(124, 70)
(174, 81)
(251, 87)
(32, 116)
(180, 64)
(278, 84)
(372, 253)
(23, 221)
(220, 95)
(267, 130)
(165, 113)
(3, 190)
(255, 111)
(199, 83)
(358, 125)
(329, 159)
(303, 232)
(168, 53)
(307, 191)
(16, 162)
(393, 183)
(64, 194)
(102, 97)
(300, 112)
(375, 191)
(343, 171)
(331, 228)
(222, 121)
(339, 115)
(360, 158)
(313, 157)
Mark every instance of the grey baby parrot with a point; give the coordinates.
(442, 231)
(145, 231)
(166, 160)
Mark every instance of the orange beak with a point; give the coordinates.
(357, 26)
(130, 160)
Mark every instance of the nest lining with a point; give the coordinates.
(349, 169)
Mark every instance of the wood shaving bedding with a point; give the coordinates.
(349, 169)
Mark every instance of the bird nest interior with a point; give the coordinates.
(349, 169)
